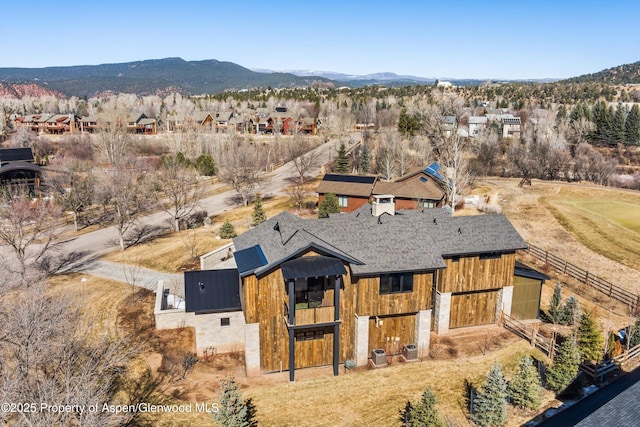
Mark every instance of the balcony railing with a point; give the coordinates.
(310, 316)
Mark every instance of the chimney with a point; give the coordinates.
(383, 204)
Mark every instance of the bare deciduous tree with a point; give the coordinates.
(180, 189)
(73, 188)
(242, 166)
(456, 163)
(27, 227)
(304, 157)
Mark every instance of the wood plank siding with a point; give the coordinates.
(526, 298)
(392, 332)
(465, 274)
(473, 309)
(371, 303)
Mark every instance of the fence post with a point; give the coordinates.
(533, 335)
(546, 256)
(586, 278)
(564, 271)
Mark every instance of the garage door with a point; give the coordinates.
(473, 309)
(526, 298)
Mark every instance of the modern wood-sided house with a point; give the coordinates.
(320, 292)
(511, 127)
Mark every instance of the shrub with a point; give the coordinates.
(227, 231)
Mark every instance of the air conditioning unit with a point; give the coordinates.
(379, 357)
(410, 352)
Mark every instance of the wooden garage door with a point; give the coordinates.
(526, 298)
(473, 309)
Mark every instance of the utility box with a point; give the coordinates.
(410, 352)
(379, 357)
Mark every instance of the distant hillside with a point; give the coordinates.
(623, 74)
(151, 77)
(19, 90)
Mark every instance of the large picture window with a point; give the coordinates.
(343, 201)
(396, 283)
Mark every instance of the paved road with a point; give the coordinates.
(79, 252)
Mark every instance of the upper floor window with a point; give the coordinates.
(396, 283)
(343, 201)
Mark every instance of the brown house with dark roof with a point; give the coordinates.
(421, 188)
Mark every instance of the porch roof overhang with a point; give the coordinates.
(312, 266)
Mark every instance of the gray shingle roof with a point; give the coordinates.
(408, 241)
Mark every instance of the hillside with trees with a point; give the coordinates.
(623, 74)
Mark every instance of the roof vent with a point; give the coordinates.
(435, 221)
(459, 230)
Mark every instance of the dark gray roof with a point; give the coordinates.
(408, 241)
(312, 266)
(15, 155)
(211, 291)
(523, 270)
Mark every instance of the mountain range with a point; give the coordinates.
(162, 76)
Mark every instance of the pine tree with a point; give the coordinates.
(328, 205)
(570, 311)
(365, 159)
(227, 230)
(634, 336)
(258, 215)
(618, 125)
(422, 413)
(524, 388)
(589, 338)
(565, 366)
(490, 405)
(632, 126)
(555, 307)
(232, 410)
(342, 161)
(206, 166)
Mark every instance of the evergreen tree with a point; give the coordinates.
(618, 125)
(206, 166)
(342, 161)
(328, 205)
(490, 405)
(555, 307)
(227, 230)
(233, 411)
(258, 215)
(634, 336)
(365, 159)
(408, 124)
(632, 126)
(564, 369)
(524, 388)
(570, 311)
(589, 338)
(422, 413)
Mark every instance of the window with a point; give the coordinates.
(426, 204)
(396, 283)
(455, 259)
(490, 255)
(309, 292)
(225, 321)
(423, 179)
(343, 201)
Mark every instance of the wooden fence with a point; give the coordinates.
(599, 370)
(603, 286)
(530, 333)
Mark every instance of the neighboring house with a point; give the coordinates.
(36, 122)
(511, 127)
(320, 292)
(59, 124)
(477, 124)
(449, 123)
(420, 188)
(352, 191)
(17, 167)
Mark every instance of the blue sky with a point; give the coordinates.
(494, 39)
